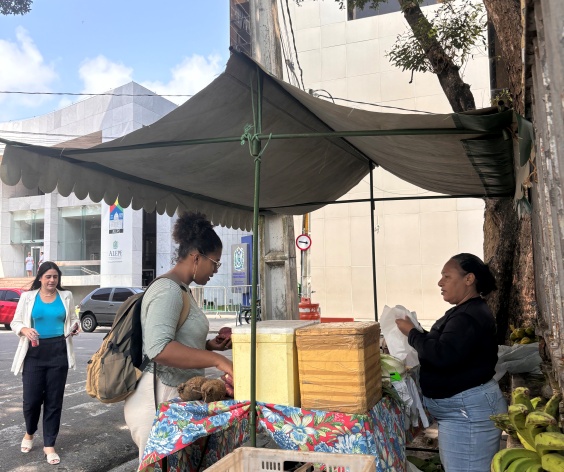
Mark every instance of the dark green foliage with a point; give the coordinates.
(459, 29)
(15, 7)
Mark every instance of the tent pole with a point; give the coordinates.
(372, 210)
(255, 151)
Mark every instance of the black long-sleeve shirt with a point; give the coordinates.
(460, 351)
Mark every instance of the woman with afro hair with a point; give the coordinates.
(177, 353)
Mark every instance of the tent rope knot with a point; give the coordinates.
(253, 138)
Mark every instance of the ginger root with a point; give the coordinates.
(200, 388)
(213, 390)
(191, 389)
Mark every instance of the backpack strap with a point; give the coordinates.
(183, 314)
(185, 297)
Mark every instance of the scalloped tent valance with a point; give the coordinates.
(181, 162)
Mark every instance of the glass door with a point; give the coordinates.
(36, 255)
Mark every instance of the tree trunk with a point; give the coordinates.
(508, 251)
(507, 239)
(506, 17)
(457, 92)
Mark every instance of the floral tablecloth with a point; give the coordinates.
(194, 435)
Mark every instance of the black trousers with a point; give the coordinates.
(44, 377)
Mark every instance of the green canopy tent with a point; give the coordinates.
(305, 153)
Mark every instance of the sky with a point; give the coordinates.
(92, 46)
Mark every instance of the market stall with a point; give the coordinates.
(193, 158)
(318, 388)
(194, 435)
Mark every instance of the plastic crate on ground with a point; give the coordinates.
(250, 459)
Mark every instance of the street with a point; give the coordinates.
(93, 436)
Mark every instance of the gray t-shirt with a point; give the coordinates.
(160, 311)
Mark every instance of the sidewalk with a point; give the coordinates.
(130, 466)
(218, 321)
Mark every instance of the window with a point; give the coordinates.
(27, 226)
(102, 294)
(79, 233)
(2, 293)
(121, 294)
(391, 6)
(11, 296)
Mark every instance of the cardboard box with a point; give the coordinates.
(339, 366)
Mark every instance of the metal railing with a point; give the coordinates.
(77, 268)
(223, 300)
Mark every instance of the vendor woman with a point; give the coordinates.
(458, 358)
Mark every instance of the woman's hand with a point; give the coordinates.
(213, 345)
(75, 329)
(405, 325)
(225, 365)
(29, 333)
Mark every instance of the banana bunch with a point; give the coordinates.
(523, 335)
(536, 426)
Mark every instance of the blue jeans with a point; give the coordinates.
(468, 438)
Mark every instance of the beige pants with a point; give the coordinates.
(139, 409)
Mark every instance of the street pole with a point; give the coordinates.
(278, 278)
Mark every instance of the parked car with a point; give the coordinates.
(9, 298)
(100, 306)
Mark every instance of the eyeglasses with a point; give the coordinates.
(217, 263)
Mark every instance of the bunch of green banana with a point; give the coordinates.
(515, 460)
(502, 422)
(528, 421)
(523, 335)
(550, 447)
(536, 426)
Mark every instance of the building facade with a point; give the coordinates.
(341, 54)
(95, 243)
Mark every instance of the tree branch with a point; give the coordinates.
(456, 90)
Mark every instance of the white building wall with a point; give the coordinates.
(165, 245)
(413, 238)
(114, 116)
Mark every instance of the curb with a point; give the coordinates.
(130, 466)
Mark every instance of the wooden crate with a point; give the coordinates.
(339, 366)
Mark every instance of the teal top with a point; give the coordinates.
(48, 318)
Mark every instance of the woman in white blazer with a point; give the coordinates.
(45, 320)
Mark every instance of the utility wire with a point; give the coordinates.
(286, 45)
(54, 135)
(97, 94)
(294, 41)
(313, 92)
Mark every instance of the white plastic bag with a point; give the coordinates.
(517, 359)
(395, 339)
